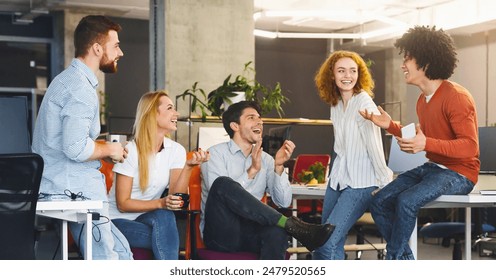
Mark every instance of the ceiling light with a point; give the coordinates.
(265, 34)
(311, 13)
(392, 31)
(302, 35)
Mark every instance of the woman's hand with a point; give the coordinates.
(172, 202)
(198, 158)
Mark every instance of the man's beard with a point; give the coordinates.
(107, 65)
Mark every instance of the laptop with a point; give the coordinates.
(400, 161)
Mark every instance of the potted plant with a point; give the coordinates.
(315, 174)
(217, 100)
(195, 102)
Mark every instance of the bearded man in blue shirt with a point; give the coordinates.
(68, 124)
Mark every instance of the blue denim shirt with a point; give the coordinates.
(66, 128)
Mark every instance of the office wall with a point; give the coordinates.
(476, 72)
(124, 88)
(205, 41)
(293, 63)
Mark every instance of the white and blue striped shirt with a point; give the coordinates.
(360, 161)
(66, 128)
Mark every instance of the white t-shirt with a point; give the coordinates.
(172, 156)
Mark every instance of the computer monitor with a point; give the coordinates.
(487, 139)
(210, 136)
(276, 136)
(14, 126)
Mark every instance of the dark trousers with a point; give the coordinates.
(237, 221)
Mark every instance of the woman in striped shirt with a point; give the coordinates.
(345, 83)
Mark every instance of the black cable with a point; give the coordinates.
(95, 225)
(79, 240)
(67, 193)
(75, 196)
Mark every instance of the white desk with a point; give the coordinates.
(305, 192)
(468, 202)
(472, 200)
(445, 201)
(70, 211)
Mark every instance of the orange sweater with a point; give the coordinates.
(449, 122)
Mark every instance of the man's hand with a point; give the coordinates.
(383, 120)
(413, 145)
(117, 153)
(283, 155)
(256, 159)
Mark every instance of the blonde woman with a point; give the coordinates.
(344, 82)
(154, 163)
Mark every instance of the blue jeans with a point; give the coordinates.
(155, 230)
(342, 209)
(108, 242)
(236, 221)
(395, 208)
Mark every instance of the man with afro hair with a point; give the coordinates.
(447, 132)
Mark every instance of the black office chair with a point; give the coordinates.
(20, 176)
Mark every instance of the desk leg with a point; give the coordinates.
(65, 241)
(89, 237)
(413, 241)
(295, 242)
(468, 233)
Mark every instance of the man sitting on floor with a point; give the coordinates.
(234, 181)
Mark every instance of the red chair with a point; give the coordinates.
(303, 161)
(195, 248)
(307, 206)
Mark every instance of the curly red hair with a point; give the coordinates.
(324, 79)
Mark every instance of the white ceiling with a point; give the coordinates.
(367, 21)
(334, 15)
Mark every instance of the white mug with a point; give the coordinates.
(117, 138)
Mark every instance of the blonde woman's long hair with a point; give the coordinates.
(145, 131)
(324, 79)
